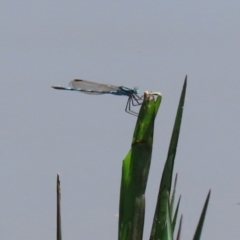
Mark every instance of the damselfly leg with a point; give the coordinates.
(133, 100)
(137, 100)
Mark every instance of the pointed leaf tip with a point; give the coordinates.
(185, 82)
(58, 178)
(198, 231)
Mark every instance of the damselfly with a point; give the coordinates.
(96, 88)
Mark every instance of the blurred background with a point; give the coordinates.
(150, 45)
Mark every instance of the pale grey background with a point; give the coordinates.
(145, 44)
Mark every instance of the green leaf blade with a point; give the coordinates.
(176, 214)
(198, 231)
(135, 171)
(159, 221)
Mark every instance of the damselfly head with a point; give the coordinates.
(136, 90)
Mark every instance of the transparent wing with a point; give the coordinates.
(92, 87)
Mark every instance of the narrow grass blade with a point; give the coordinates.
(169, 223)
(173, 195)
(176, 214)
(135, 171)
(198, 232)
(179, 228)
(59, 230)
(159, 220)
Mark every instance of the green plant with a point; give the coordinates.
(135, 171)
(135, 174)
